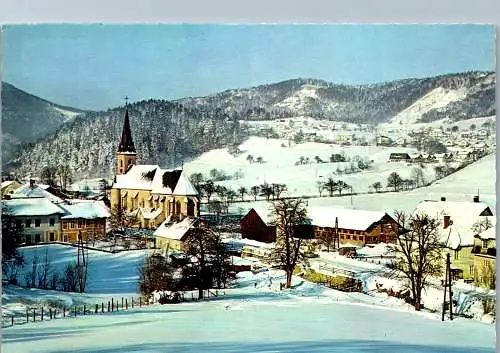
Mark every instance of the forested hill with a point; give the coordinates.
(456, 96)
(26, 117)
(167, 133)
(164, 133)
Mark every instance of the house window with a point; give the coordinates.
(485, 244)
(80, 223)
(341, 237)
(37, 222)
(37, 238)
(456, 254)
(348, 237)
(52, 221)
(64, 225)
(27, 223)
(361, 237)
(354, 237)
(72, 225)
(65, 238)
(51, 236)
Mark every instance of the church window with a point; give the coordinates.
(190, 208)
(121, 163)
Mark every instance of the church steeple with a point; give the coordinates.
(125, 156)
(126, 143)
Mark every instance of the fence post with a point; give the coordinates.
(132, 302)
(75, 310)
(117, 305)
(12, 318)
(42, 313)
(112, 304)
(50, 313)
(140, 302)
(34, 319)
(27, 316)
(84, 307)
(102, 307)
(108, 306)
(126, 304)
(64, 311)
(55, 313)
(122, 303)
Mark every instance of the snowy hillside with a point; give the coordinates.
(254, 315)
(436, 99)
(279, 165)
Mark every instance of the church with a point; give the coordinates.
(153, 194)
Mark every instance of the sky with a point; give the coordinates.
(96, 66)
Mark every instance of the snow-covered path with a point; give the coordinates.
(234, 325)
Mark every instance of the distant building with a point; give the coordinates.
(399, 157)
(171, 235)
(84, 218)
(383, 141)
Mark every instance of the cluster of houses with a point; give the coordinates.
(460, 156)
(166, 202)
(466, 231)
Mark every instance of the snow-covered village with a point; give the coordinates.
(260, 213)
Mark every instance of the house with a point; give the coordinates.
(399, 157)
(383, 141)
(257, 225)
(457, 219)
(436, 133)
(149, 217)
(341, 138)
(484, 264)
(85, 218)
(9, 186)
(32, 190)
(171, 234)
(355, 227)
(149, 186)
(39, 218)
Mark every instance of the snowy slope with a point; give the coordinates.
(435, 99)
(255, 321)
(279, 165)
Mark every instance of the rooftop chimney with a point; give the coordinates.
(443, 198)
(446, 222)
(476, 198)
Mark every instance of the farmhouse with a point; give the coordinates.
(457, 219)
(383, 141)
(144, 189)
(355, 227)
(399, 157)
(170, 235)
(32, 190)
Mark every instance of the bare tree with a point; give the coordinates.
(418, 252)
(394, 180)
(417, 174)
(377, 186)
(321, 187)
(44, 271)
(481, 225)
(242, 191)
(286, 214)
(64, 173)
(255, 191)
(119, 221)
(330, 186)
(278, 189)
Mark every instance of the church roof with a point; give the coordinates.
(156, 180)
(126, 142)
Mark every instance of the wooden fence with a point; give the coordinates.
(114, 305)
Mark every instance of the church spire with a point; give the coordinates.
(126, 143)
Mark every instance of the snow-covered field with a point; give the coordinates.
(279, 165)
(307, 318)
(460, 186)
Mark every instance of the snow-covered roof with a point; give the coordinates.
(7, 183)
(156, 180)
(176, 230)
(150, 213)
(25, 191)
(184, 186)
(264, 213)
(86, 209)
(32, 207)
(465, 213)
(490, 233)
(380, 249)
(347, 218)
(239, 261)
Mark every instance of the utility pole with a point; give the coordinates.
(336, 241)
(447, 289)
